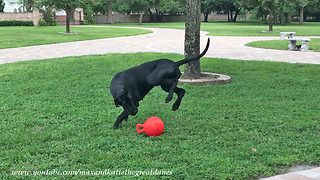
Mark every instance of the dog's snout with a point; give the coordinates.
(134, 112)
(131, 110)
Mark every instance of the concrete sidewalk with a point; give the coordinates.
(171, 41)
(161, 40)
(310, 174)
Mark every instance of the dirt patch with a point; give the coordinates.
(207, 79)
(68, 33)
(269, 31)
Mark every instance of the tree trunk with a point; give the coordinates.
(301, 16)
(270, 22)
(68, 17)
(282, 19)
(192, 38)
(289, 18)
(151, 16)
(264, 17)
(270, 17)
(159, 16)
(140, 19)
(275, 18)
(109, 13)
(236, 14)
(205, 15)
(231, 16)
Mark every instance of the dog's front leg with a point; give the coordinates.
(123, 116)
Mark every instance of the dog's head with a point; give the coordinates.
(125, 99)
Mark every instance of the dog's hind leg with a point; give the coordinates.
(170, 87)
(123, 116)
(180, 92)
(173, 89)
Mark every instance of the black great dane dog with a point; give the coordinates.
(131, 86)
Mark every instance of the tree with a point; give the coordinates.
(88, 14)
(158, 8)
(270, 5)
(136, 6)
(48, 16)
(101, 7)
(140, 6)
(301, 4)
(2, 4)
(28, 5)
(207, 7)
(67, 5)
(192, 38)
(285, 7)
(313, 11)
(232, 8)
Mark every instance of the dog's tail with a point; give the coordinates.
(184, 61)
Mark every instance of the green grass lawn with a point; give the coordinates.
(58, 115)
(28, 36)
(244, 28)
(314, 44)
(241, 28)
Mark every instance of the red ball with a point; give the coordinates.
(153, 126)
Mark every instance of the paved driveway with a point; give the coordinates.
(161, 40)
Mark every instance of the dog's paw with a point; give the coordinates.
(168, 99)
(115, 126)
(175, 107)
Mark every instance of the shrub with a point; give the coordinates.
(16, 23)
(88, 15)
(85, 22)
(42, 22)
(48, 17)
(53, 22)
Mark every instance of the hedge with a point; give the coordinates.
(16, 23)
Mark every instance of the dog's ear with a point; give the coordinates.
(119, 94)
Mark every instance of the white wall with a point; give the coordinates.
(11, 5)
